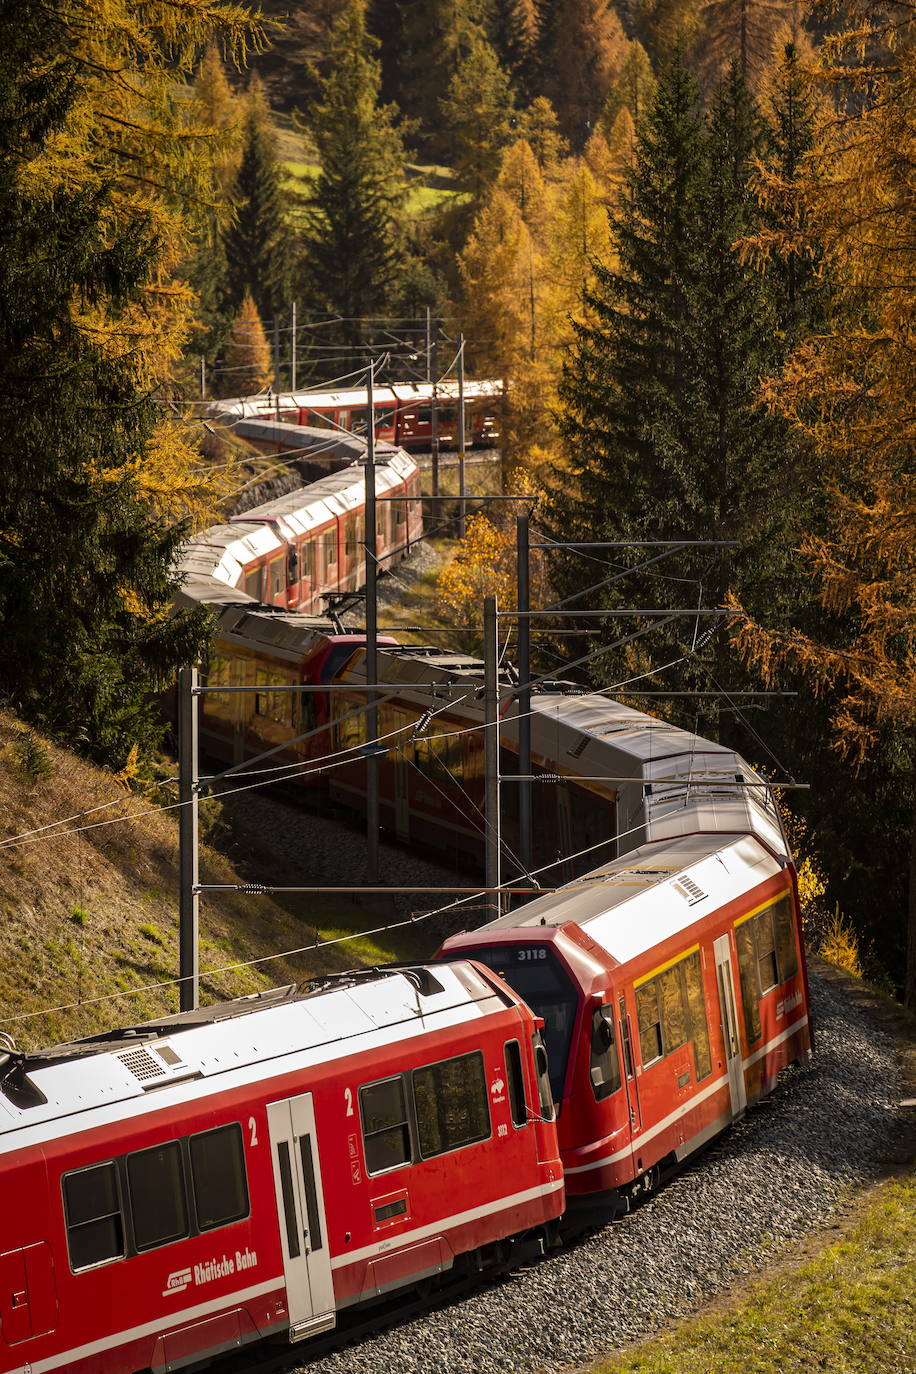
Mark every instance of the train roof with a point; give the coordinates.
(384, 394)
(220, 1046)
(218, 555)
(637, 902)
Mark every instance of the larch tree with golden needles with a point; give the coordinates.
(100, 171)
(249, 367)
(849, 390)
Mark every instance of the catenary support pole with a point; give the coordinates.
(462, 501)
(292, 359)
(203, 379)
(188, 856)
(491, 750)
(277, 359)
(524, 695)
(372, 779)
(434, 414)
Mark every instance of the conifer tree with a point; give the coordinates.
(476, 110)
(589, 47)
(249, 367)
(498, 270)
(662, 426)
(743, 31)
(632, 85)
(513, 27)
(257, 242)
(352, 252)
(539, 127)
(90, 321)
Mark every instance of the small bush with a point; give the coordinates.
(151, 933)
(32, 757)
(840, 945)
(79, 916)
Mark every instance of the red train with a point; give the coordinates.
(403, 412)
(296, 550)
(673, 989)
(184, 1187)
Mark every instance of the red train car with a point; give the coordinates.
(673, 989)
(187, 1186)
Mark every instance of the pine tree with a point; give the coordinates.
(257, 242)
(352, 243)
(514, 32)
(664, 436)
(477, 110)
(90, 322)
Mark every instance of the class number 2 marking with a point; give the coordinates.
(253, 1129)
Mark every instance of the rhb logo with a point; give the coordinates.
(176, 1282)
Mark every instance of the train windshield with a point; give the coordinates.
(536, 974)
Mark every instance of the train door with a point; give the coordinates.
(629, 1075)
(728, 1019)
(300, 1207)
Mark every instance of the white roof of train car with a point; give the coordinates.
(245, 1042)
(636, 903)
(385, 394)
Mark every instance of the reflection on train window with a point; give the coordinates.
(351, 729)
(536, 974)
(277, 576)
(219, 674)
(440, 754)
(671, 1010)
(276, 706)
(516, 1084)
(604, 1066)
(306, 559)
(767, 957)
(92, 1207)
(452, 1105)
(218, 1175)
(386, 1130)
(158, 1202)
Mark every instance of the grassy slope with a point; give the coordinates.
(89, 915)
(850, 1309)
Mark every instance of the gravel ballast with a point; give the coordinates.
(777, 1174)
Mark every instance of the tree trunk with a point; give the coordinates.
(909, 991)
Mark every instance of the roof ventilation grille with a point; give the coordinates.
(155, 1065)
(689, 890)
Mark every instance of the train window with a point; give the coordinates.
(351, 729)
(219, 674)
(218, 1175)
(536, 974)
(604, 1064)
(292, 565)
(545, 1096)
(307, 559)
(516, 1084)
(329, 540)
(350, 537)
(696, 1007)
(651, 1045)
(158, 1198)
(671, 1010)
(452, 1104)
(95, 1224)
(786, 952)
(750, 987)
(276, 706)
(386, 1130)
(400, 513)
(767, 957)
(253, 584)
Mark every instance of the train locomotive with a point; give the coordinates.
(184, 1187)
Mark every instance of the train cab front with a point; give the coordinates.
(567, 981)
